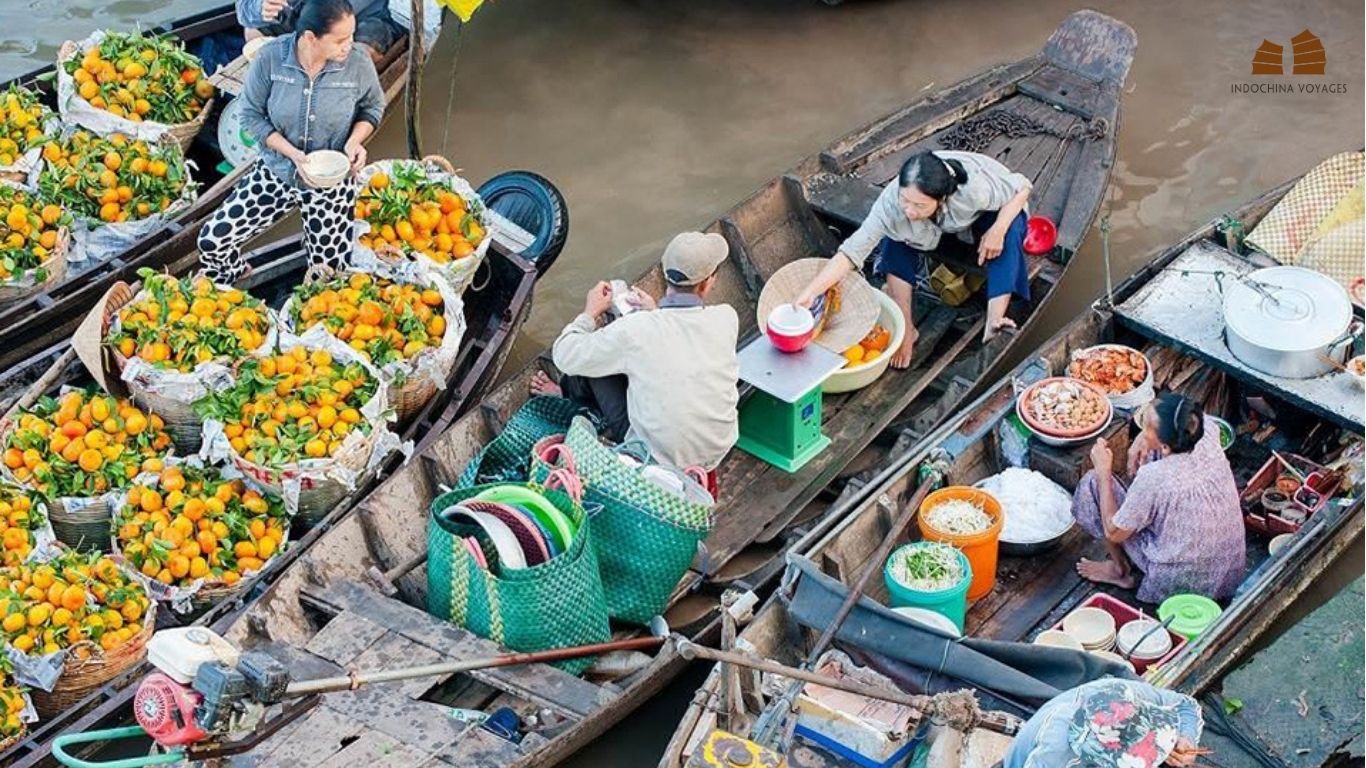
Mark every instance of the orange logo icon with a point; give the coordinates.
(1307, 56)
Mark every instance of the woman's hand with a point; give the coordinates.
(355, 152)
(1102, 458)
(298, 157)
(992, 243)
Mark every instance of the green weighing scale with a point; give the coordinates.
(780, 422)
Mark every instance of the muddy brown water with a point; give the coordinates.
(655, 117)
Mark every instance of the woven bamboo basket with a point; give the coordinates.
(15, 739)
(317, 497)
(182, 133)
(409, 396)
(55, 265)
(81, 676)
(79, 526)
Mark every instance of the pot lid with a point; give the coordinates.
(1190, 614)
(1287, 309)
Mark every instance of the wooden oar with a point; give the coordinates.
(37, 388)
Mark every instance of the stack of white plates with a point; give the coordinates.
(1057, 639)
(1154, 646)
(1094, 628)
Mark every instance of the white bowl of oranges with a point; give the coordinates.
(868, 359)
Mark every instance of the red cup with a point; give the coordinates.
(790, 327)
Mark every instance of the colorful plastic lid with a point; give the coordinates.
(539, 507)
(1190, 614)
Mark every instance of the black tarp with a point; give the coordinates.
(929, 659)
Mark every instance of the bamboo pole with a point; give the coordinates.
(417, 59)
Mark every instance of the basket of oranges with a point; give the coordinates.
(119, 189)
(401, 319)
(34, 239)
(144, 86)
(176, 340)
(24, 527)
(424, 211)
(77, 450)
(303, 424)
(197, 534)
(84, 606)
(14, 706)
(25, 125)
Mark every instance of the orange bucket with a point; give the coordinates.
(980, 548)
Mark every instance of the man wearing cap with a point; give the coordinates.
(667, 374)
(1110, 723)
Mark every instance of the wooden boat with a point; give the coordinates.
(29, 326)
(325, 612)
(1034, 592)
(494, 313)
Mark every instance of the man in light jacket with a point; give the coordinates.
(667, 374)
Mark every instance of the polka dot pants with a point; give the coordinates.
(259, 201)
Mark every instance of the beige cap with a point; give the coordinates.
(692, 257)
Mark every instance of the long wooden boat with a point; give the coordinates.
(27, 327)
(1034, 592)
(494, 312)
(324, 613)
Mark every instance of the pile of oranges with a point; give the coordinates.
(381, 319)
(12, 702)
(868, 350)
(19, 518)
(66, 601)
(112, 179)
(418, 215)
(29, 233)
(22, 118)
(84, 444)
(300, 404)
(179, 323)
(141, 77)
(192, 524)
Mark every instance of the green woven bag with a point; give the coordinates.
(505, 458)
(557, 604)
(646, 537)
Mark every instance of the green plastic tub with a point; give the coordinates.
(951, 603)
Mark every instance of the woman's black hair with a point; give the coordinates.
(1180, 421)
(932, 174)
(318, 16)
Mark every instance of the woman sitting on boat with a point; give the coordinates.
(938, 193)
(305, 92)
(376, 31)
(1179, 522)
(1110, 724)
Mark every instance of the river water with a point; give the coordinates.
(655, 117)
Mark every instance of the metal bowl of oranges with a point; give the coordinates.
(868, 359)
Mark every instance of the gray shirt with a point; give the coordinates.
(312, 114)
(989, 187)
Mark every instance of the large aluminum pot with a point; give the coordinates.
(1287, 321)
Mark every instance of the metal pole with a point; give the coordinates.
(357, 679)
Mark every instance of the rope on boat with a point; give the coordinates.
(958, 710)
(450, 89)
(1105, 253)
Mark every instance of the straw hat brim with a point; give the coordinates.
(858, 303)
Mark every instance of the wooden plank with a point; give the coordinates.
(552, 687)
(308, 742)
(344, 638)
(376, 750)
(395, 651)
(478, 748)
(420, 725)
(1063, 88)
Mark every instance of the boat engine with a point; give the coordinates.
(204, 689)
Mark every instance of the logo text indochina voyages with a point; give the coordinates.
(1307, 57)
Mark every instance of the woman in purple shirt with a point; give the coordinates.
(1178, 522)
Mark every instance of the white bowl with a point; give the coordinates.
(326, 167)
(926, 616)
(1157, 645)
(1092, 627)
(1058, 639)
(1279, 543)
(865, 373)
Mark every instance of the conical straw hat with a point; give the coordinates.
(858, 303)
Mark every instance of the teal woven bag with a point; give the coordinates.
(557, 604)
(505, 458)
(646, 537)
